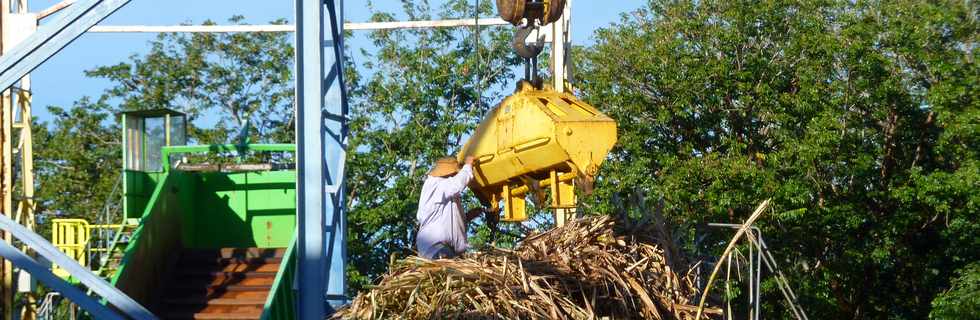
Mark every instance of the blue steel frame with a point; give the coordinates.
(25, 262)
(51, 38)
(117, 298)
(18, 62)
(321, 136)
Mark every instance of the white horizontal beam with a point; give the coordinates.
(292, 28)
(423, 24)
(193, 29)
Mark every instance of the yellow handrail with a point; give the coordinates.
(72, 236)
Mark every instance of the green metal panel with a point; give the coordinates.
(178, 210)
(281, 303)
(250, 209)
(243, 209)
(205, 210)
(138, 186)
(153, 244)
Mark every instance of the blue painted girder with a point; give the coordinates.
(117, 298)
(321, 134)
(51, 38)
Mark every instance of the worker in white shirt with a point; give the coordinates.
(442, 226)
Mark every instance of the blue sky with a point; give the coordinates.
(60, 81)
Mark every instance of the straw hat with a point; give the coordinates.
(444, 167)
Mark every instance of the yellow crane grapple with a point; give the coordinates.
(537, 140)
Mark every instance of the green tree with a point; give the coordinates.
(234, 80)
(228, 79)
(962, 300)
(416, 102)
(860, 120)
(77, 161)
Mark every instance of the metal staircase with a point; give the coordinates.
(112, 256)
(97, 246)
(226, 283)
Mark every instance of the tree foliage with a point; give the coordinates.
(77, 161)
(417, 100)
(860, 120)
(962, 300)
(226, 79)
(230, 79)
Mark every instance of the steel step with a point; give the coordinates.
(200, 273)
(213, 316)
(198, 294)
(211, 290)
(234, 253)
(195, 301)
(226, 283)
(231, 267)
(216, 260)
(215, 312)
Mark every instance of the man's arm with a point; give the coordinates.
(455, 185)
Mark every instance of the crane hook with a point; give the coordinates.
(524, 49)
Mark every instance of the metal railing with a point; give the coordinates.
(48, 309)
(124, 306)
(91, 245)
(111, 216)
(73, 237)
(241, 149)
(281, 303)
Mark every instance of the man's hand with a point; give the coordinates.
(469, 160)
(473, 213)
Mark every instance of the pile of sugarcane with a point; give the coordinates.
(588, 269)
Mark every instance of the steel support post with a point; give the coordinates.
(335, 131)
(16, 27)
(18, 59)
(321, 137)
(51, 38)
(25, 262)
(117, 298)
(560, 47)
(6, 169)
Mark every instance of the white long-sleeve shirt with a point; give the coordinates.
(440, 215)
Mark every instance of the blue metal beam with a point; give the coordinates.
(117, 298)
(310, 207)
(24, 262)
(51, 38)
(321, 151)
(335, 152)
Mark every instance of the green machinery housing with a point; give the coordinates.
(176, 200)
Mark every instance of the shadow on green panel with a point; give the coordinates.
(253, 209)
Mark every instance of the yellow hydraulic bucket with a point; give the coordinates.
(537, 140)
